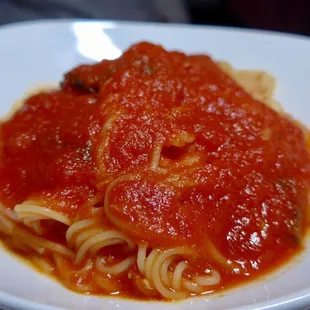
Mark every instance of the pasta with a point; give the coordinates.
(154, 176)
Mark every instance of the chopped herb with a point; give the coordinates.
(295, 240)
(282, 181)
(148, 70)
(78, 83)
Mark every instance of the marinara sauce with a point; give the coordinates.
(200, 163)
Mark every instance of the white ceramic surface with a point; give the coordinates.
(39, 53)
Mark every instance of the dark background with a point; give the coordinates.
(282, 15)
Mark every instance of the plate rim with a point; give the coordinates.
(123, 23)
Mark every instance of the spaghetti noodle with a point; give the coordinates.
(155, 176)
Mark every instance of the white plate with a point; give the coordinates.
(36, 53)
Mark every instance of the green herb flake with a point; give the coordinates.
(148, 70)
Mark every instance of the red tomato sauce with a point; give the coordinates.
(231, 170)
